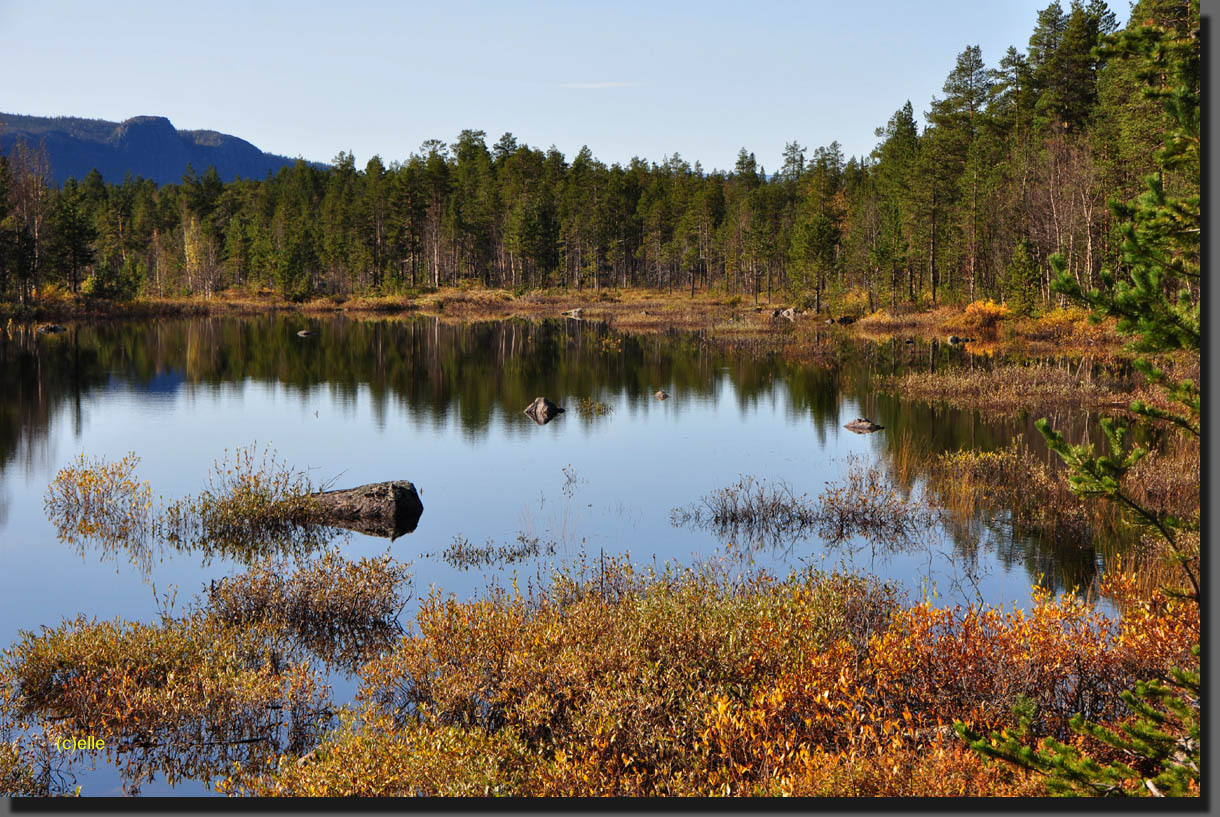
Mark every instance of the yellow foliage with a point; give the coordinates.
(984, 315)
(677, 684)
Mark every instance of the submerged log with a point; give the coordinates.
(378, 509)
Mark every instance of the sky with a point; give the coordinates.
(702, 78)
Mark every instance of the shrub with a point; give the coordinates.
(853, 302)
(97, 500)
(983, 316)
(345, 612)
(184, 697)
(250, 508)
(618, 683)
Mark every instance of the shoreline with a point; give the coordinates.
(633, 310)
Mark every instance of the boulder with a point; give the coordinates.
(863, 425)
(542, 411)
(378, 509)
(788, 313)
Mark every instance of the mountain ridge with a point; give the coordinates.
(144, 146)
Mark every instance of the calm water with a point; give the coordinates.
(441, 404)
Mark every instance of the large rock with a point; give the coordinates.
(542, 411)
(378, 509)
(863, 425)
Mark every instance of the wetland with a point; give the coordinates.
(744, 471)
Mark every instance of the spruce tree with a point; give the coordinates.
(1159, 307)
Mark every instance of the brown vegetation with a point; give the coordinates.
(1010, 388)
(344, 612)
(678, 684)
(230, 681)
(866, 503)
(250, 508)
(183, 697)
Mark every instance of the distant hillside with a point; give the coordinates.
(148, 146)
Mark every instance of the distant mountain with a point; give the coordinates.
(148, 146)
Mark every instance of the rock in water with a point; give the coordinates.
(863, 425)
(304, 333)
(542, 411)
(661, 395)
(378, 509)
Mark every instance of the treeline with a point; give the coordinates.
(1017, 162)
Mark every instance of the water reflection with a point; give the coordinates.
(479, 375)
(442, 403)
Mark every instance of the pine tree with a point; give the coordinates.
(1162, 744)
(1161, 247)
(1159, 305)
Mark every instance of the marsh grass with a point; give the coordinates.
(589, 407)
(250, 507)
(1010, 388)
(757, 511)
(1168, 479)
(253, 506)
(1015, 480)
(868, 503)
(1038, 498)
(463, 555)
(762, 513)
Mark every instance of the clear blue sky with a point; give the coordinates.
(627, 78)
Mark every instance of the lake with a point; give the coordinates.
(441, 404)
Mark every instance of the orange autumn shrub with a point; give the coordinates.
(687, 684)
(933, 666)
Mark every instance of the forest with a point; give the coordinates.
(1017, 162)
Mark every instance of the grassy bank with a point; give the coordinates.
(635, 310)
